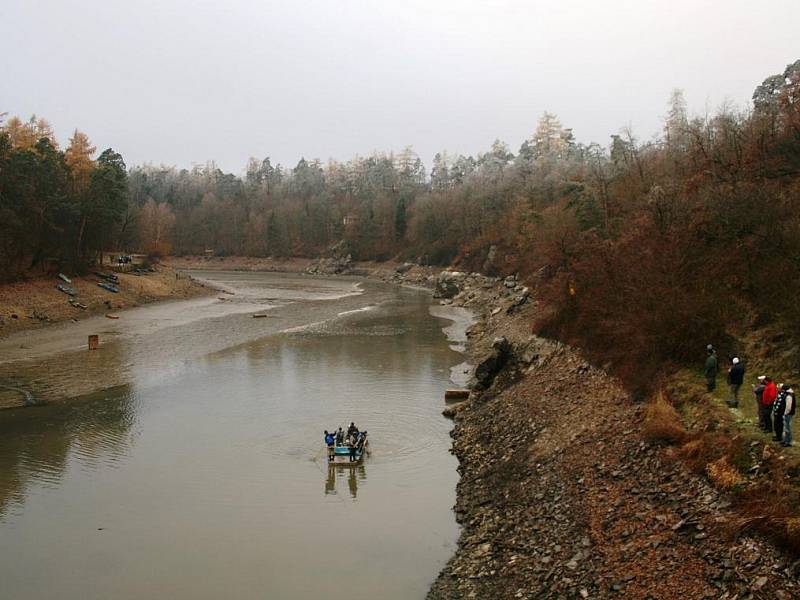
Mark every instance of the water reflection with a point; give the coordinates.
(354, 474)
(37, 444)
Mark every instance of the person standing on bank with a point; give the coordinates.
(735, 381)
(758, 392)
(712, 368)
(778, 410)
(767, 399)
(788, 413)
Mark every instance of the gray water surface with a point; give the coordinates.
(200, 471)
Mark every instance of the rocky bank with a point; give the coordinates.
(560, 496)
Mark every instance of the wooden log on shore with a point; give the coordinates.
(453, 395)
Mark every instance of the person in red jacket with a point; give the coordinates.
(767, 399)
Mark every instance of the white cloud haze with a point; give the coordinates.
(179, 82)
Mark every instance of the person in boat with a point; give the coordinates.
(330, 440)
(339, 437)
(353, 449)
(352, 431)
(362, 439)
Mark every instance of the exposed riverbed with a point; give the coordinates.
(197, 471)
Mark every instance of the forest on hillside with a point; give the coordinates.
(57, 207)
(639, 244)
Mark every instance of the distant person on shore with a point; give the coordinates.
(758, 393)
(786, 407)
(735, 381)
(712, 368)
(779, 411)
(767, 400)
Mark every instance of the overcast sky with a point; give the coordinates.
(182, 82)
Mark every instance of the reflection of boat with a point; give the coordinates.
(356, 475)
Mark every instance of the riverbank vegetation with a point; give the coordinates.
(643, 251)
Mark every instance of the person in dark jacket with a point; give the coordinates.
(712, 368)
(767, 399)
(758, 392)
(352, 443)
(778, 412)
(735, 381)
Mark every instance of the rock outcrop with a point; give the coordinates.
(489, 367)
(448, 284)
(338, 261)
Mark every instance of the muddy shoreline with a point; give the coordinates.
(35, 304)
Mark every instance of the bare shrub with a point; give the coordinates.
(662, 423)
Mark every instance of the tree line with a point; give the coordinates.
(643, 250)
(634, 244)
(57, 207)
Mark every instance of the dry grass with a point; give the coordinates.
(724, 447)
(723, 474)
(662, 423)
(773, 507)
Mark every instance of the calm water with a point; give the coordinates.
(201, 472)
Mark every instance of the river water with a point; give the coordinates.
(198, 471)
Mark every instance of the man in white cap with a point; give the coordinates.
(735, 381)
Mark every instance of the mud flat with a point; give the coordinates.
(239, 263)
(35, 304)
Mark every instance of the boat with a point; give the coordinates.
(67, 290)
(110, 316)
(109, 287)
(77, 304)
(107, 276)
(64, 278)
(341, 455)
